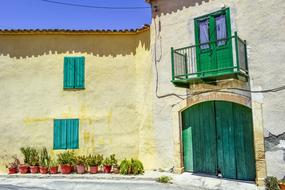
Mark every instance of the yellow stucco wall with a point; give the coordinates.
(115, 109)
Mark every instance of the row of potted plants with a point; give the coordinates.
(67, 162)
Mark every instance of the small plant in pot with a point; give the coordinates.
(34, 161)
(94, 161)
(24, 168)
(137, 167)
(125, 167)
(114, 162)
(66, 161)
(132, 166)
(107, 165)
(44, 161)
(53, 166)
(13, 165)
(80, 164)
(271, 183)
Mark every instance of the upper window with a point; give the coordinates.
(74, 72)
(213, 30)
(66, 134)
(221, 29)
(204, 34)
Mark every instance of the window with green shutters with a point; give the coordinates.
(66, 134)
(74, 73)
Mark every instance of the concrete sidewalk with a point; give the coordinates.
(185, 180)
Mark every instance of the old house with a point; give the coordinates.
(84, 90)
(199, 90)
(219, 63)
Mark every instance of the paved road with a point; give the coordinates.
(62, 184)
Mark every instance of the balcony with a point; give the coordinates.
(211, 61)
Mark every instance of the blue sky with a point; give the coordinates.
(33, 14)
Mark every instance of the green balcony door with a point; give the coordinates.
(213, 51)
(218, 137)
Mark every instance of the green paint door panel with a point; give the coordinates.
(218, 137)
(244, 143)
(187, 142)
(204, 143)
(225, 139)
(214, 57)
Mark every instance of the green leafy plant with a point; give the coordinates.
(95, 160)
(137, 167)
(113, 159)
(14, 163)
(44, 157)
(34, 157)
(271, 183)
(132, 166)
(26, 151)
(107, 162)
(125, 167)
(67, 158)
(53, 163)
(164, 179)
(81, 160)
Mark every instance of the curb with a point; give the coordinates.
(79, 176)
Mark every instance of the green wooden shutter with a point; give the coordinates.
(56, 134)
(72, 133)
(59, 137)
(69, 72)
(79, 72)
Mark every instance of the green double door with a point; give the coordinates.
(214, 45)
(218, 137)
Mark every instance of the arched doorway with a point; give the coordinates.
(218, 138)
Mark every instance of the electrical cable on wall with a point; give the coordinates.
(92, 6)
(156, 61)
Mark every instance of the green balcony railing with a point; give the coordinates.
(222, 59)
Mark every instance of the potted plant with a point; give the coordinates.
(107, 165)
(114, 162)
(44, 161)
(66, 161)
(53, 167)
(80, 164)
(136, 167)
(34, 161)
(281, 184)
(125, 167)
(271, 183)
(94, 161)
(132, 166)
(13, 166)
(24, 168)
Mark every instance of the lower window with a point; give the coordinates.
(66, 134)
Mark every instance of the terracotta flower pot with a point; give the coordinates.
(65, 169)
(53, 170)
(107, 169)
(80, 169)
(43, 170)
(12, 170)
(23, 169)
(282, 186)
(34, 169)
(93, 169)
